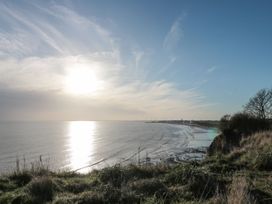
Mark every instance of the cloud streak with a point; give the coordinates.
(35, 54)
(37, 34)
(173, 36)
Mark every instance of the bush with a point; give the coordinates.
(16, 197)
(41, 189)
(263, 161)
(78, 185)
(149, 187)
(6, 185)
(89, 197)
(21, 178)
(224, 123)
(180, 174)
(242, 124)
(201, 184)
(111, 175)
(141, 172)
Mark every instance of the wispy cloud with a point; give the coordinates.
(174, 35)
(167, 66)
(69, 33)
(27, 23)
(36, 52)
(148, 100)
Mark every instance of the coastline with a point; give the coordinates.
(190, 153)
(215, 179)
(157, 143)
(193, 123)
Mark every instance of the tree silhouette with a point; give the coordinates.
(260, 105)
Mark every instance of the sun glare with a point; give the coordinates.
(81, 144)
(81, 80)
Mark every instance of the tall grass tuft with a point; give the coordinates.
(41, 189)
(239, 192)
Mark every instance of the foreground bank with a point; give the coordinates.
(241, 176)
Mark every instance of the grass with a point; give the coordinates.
(243, 176)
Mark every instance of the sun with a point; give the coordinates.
(81, 79)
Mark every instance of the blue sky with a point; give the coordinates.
(143, 59)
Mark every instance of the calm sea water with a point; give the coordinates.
(76, 144)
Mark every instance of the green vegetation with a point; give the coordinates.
(256, 117)
(241, 176)
(234, 129)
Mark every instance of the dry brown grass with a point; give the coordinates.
(257, 140)
(239, 192)
(255, 150)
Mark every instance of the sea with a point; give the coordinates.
(85, 145)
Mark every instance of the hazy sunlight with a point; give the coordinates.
(81, 80)
(81, 143)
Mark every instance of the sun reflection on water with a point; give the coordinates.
(81, 143)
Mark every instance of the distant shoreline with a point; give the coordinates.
(195, 123)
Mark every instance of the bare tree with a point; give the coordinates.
(260, 105)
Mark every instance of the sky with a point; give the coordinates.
(132, 60)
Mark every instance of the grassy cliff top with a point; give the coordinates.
(242, 176)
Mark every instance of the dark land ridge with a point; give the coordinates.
(196, 123)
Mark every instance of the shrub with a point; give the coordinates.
(149, 187)
(140, 172)
(21, 178)
(111, 175)
(259, 196)
(22, 198)
(247, 124)
(204, 185)
(180, 174)
(224, 123)
(109, 193)
(263, 161)
(256, 151)
(78, 185)
(6, 185)
(15, 197)
(242, 124)
(129, 197)
(89, 197)
(41, 189)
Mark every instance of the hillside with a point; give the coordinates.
(241, 176)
